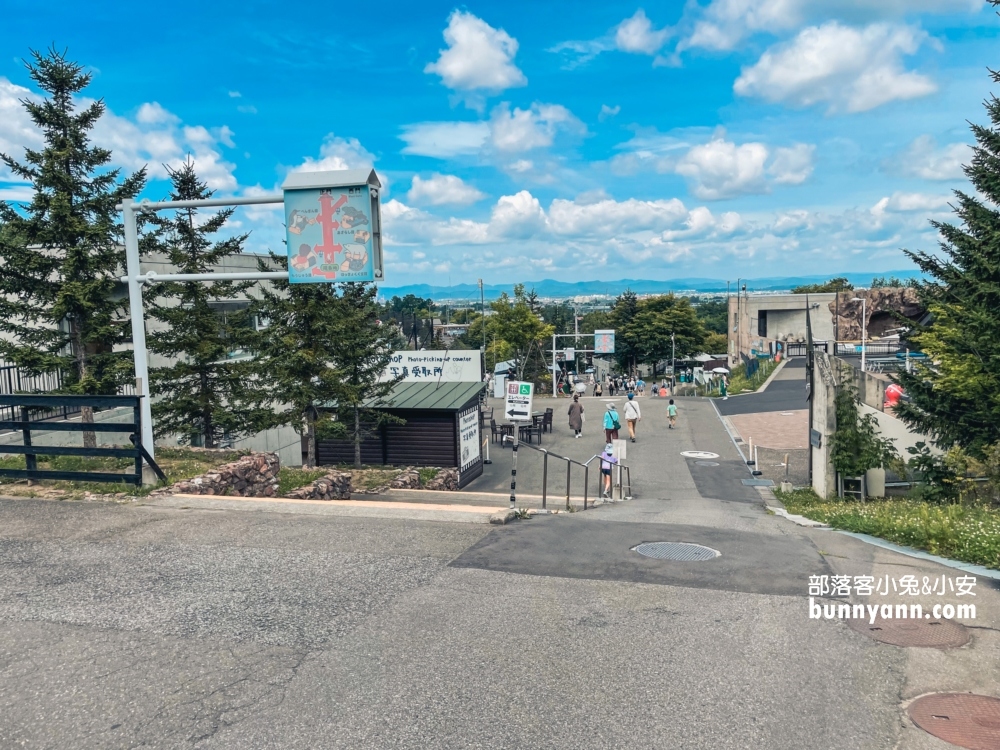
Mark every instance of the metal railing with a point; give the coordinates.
(617, 482)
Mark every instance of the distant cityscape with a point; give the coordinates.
(598, 292)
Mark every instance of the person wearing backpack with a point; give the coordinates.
(611, 424)
(632, 415)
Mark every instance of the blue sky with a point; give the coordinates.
(572, 141)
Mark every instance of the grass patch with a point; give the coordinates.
(370, 477)
(290, 478)
(427, 475)
(967, 532)
(177, 463)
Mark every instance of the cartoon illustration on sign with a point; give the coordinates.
(329, 235)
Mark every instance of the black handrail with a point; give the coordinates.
(27, 402)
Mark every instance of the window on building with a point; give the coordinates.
(762, 323)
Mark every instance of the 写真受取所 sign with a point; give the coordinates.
(458, 366)
(333, 226)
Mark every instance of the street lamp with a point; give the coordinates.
(864, 328)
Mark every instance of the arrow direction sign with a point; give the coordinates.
(518, 403)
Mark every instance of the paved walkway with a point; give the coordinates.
(164, 627)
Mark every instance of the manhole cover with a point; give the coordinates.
(707, 463)
(936, 633)
(963, 719)
(683, 551)
(699, 454)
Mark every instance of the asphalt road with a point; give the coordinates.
(129, 626)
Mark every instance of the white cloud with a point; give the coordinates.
(338, 153)
(442, 189)
(151, 113)
(156, 139)
(518, 216)
(235, 94)
(723, 24)
(527, 129)
(247, 109)
(636, 35)
(721, 169)
(444, 140)
(853, 70)
(521, 165)
(608, 112)
(478, 57)
(910, 202)
(792, 165)
(923, 159)
(17, 132)
(607, 217)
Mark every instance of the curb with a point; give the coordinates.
(779, 368)
(800, 520)
(503, 517)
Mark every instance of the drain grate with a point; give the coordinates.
(699, 454)
(963, 719)
(938, 633)
(680, 551)
(758, 483)
(707, 463)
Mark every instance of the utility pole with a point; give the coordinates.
(482, 311)
(673, 363)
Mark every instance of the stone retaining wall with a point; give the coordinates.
(255, 475)
(334, 486)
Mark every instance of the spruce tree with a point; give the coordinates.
(61, 254)
(320, 348)
(955, 396)
(202, 392)
(363, 352)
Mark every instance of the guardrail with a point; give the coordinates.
(74, 403)
(617, 483)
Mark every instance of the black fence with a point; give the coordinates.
(13, 380)
(796, 349)
(29, 406)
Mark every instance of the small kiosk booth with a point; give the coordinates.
(441, 426)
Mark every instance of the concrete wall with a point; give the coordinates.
(901, 435)
(786, 320)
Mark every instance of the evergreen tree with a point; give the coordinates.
(61, 254)
(955, 397)
(203, 392)
(364, 349)
(319, 349)
(627, 344)
(293, 360)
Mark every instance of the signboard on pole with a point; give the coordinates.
(334, 226)
(468, 445)
(569, 353)
(458, 366)
(517, 407)
(604, 342)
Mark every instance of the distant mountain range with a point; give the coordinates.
(549, 288)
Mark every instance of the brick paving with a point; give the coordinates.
(785, 430)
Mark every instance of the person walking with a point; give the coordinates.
(608, 460)
(632, 415)
(611, 424)
(672, 414)
(576, 416)
(598, 389)
(580, 387)
(640, 387)
(724, 388)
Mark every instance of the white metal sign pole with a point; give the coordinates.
(138, 323)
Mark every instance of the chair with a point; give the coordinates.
(528, 430)
(485, 413)
(547, 419)
(496, 432)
